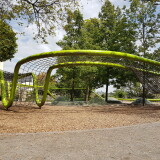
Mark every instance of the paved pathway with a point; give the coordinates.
(139, 142)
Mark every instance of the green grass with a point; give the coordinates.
(125, 99)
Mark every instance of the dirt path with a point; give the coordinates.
(27, 119)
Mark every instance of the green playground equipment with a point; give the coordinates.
(34, 72)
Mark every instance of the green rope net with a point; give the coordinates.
(30, 81)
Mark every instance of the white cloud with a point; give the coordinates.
(90, 8)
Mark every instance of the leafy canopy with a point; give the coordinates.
(8, 43)
(45, 14)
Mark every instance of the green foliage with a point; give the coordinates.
(91, 34)
(134, 89)
(95, 34)
(8, 43)
(69, 77)
(52, 83)
(45, 14)
(119, 93)
(116, 29)
(97, 100)
(116, 35)
(145, 20)
(80, 34)
(73, 31)
(155, 55)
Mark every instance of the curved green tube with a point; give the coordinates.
(88, 53)
(9, 102)
(80, 63)
(69, 64)
(39, 102)
(3, 89)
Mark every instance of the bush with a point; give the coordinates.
(119, 93)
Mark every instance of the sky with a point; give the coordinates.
(27, 46)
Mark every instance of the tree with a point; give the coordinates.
(71, 41)
(146, 22)
(156, 54)
(45, 14)
(117, 35)
(119, 93)
(91, 34)
(133, 89)
(80, 34)
(110, 32)
(73, 27)
(8, 43)
(88, 79)
(90, 40)
(41, 78)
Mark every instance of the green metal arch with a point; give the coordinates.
(8, 103)
(79, 63)
(88, 53)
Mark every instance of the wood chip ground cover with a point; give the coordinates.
(30, 119)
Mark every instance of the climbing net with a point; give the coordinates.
(31, 78)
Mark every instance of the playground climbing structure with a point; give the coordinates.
(31, 78)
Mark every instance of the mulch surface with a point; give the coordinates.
(30, 119)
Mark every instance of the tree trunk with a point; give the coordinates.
(87, 94)
(107, 85)
(144, 88)
(73, 83)
(72, 91)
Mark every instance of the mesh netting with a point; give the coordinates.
(148, 74)
(39, 68)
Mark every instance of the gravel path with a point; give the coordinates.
(139, 142)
